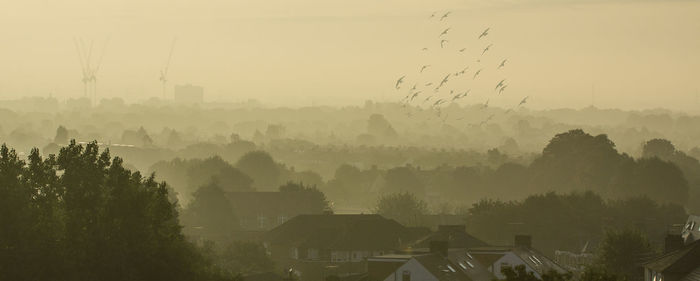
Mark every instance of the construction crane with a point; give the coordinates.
(89, 73)
(164, 71)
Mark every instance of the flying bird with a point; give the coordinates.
(444, 32)
(442, 43)
(486, 104)
(502, 89)
(500, 84)
(486, 32)
(424, 49)
(523, 101)
(423, 68)
(433, 15)
(464, 70)
(503, 63)
(414, 87)
(445, 16)
(398, 82)
(476, 74)
(414, 95)
(444, 80)
(428, 84)
(486, 49)
(462, 50)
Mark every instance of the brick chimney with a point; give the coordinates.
(439, 247)
(523, 241)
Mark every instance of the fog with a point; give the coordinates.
(310, 140)
(613, 54)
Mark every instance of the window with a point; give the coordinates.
(406, 276)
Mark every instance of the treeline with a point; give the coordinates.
(80, 215)
(572, 161)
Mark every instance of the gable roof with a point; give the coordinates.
(456, 237)
(533, 258)
(442, 268)
(470, 265)
(683, 260)
(339, 232)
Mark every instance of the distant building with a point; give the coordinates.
(455, 235)
(679, 265)
(439, 264)
(691, 230)
(521, 253)
(189, 94)
(262, 211)
(681, 258)
(317, 246)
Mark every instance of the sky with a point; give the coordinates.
(564, 53)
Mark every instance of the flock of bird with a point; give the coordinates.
(434, 94)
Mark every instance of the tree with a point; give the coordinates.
(403, 207)
(520, 273)
(314, 201)
(210, 214)
(262, 168)
(596, 273)
(61, 135)
(403, 179)
(95, 220)
(378, 126)
(623, 251)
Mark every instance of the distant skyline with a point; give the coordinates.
(635, 54)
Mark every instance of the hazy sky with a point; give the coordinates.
(635, 54)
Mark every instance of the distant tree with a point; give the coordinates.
(403, 207)
(229, 179)
(262, 168)
(61, 135)
(403, 179)
(661, 148)
(520, 273)
(378, 126)
(210, 214)
(315, 201)
(622, 252)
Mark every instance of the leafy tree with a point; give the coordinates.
(623, 251)
(596, 273)
(403, 179)
(315, 201)
(61, 135)
(262, 168)
(210, 214)
(378, 126)
(403, 207)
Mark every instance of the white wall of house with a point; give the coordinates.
(418, 272)
(511, 259)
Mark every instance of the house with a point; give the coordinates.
(262, 211)
(679, 265)
(691, 231)
(317, 246)
(455, 235)
(439, 264)
(681, 260)
(521, 253)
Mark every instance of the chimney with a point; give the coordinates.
(523, 241)
(439, 247)
(672, 242)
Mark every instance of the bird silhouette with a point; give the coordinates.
(429, 84)
(486, 49)
(433, 15)
(415, 95)
(486, 32)
(463, 70)
(503, 63)
(499, 84)
(444, 32)
(424, 49)
(476, 74)
(398, 82)
(523, 101)
(462, 50)
(445, 16)
(442, 43)
(502, 89)
(444, 80)
(423, 68)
